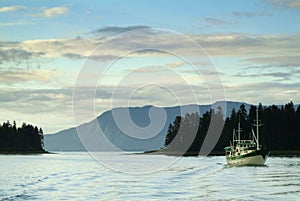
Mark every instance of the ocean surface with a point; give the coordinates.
(79, 176)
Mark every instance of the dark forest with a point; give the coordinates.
(24, 139)
(280, 130)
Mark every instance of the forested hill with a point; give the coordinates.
(24, 139)
(280, 130)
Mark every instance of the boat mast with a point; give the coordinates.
(257, 130)
(233, 137)
(239, 129)
(257, 124)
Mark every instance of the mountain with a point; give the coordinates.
(116, 122)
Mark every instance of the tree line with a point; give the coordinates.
(280, 130)
(27, 138)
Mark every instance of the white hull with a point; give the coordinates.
(250, 160)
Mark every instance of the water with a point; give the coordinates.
(77, 176)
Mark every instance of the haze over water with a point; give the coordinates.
(77, 176)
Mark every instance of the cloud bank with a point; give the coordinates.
(52, 12)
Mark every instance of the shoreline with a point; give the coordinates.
(24, 152)
(276, 153)
(285, 153)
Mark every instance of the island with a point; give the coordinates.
(27, 139)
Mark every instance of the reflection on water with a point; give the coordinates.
(76, 176)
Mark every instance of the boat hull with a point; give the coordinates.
(255, 158)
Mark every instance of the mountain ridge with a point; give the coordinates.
(68, 139)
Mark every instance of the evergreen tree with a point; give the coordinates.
(280, 131)
(25, 138)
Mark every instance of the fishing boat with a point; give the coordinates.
(246, 152)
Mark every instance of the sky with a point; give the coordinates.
(136, 53)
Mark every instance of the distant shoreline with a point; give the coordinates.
(287, 153)
(24, 152)
(279, 153)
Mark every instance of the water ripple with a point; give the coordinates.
(78, 177)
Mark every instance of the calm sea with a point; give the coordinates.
(78, 176)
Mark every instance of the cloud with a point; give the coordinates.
(152, 43)
(264, 92)
(277, 50)
(274, 61)
(15, 23)
(49, 108)
(73, 55)
(104, 57)
(215, 21)
(251, 14)
(243, 44)
(270, 67)
(52, 12)
(52, 108)
(18, 75)
(175, 64)
(11, 8)
(280, 69)
(118, 29)
(54, 48)
(294, 4)
(41, 50)
(205, 72)
(16, 55)
(283, 67)
(217, 44)
(282, 75)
